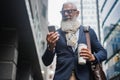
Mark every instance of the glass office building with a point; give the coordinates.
(110, 24)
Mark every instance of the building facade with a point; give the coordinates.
(23, 24)
(110, 24)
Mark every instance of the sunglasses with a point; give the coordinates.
(67, 11)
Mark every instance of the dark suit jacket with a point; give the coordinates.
(67, 60)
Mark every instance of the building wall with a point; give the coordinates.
(8, 42)
(39, 22)
(111, 27)
(22, 39)
(8, 53)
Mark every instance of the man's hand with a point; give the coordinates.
(51, 38)
(86, 54)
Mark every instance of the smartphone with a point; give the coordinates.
(51, 28)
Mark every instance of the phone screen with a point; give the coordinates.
(51, 28)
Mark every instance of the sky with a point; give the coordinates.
(54, 8)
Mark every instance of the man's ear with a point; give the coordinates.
(77, 13)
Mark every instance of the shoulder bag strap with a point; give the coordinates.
(86, 30)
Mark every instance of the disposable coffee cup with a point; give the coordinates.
(81, 60)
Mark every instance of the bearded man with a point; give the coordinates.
(64, 43)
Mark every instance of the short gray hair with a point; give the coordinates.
(69, 3)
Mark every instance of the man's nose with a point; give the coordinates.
(66, 13)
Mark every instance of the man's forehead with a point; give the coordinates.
(69, 6)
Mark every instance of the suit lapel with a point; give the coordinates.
(63, 36)
(80, 36)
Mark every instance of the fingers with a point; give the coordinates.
(54, 40)
(86, 54)
(52, 37)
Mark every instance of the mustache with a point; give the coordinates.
(64, 18)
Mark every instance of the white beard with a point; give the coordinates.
(70, 25)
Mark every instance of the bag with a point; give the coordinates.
(97, 70)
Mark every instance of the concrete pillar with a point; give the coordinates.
(8, 53)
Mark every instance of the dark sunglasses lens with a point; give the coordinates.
(67, 11)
